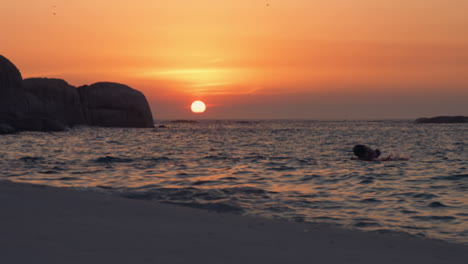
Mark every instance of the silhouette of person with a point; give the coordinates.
(364, 152)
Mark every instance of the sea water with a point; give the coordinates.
(294, 170)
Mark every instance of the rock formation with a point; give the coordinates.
(443, 119)
(10, 76)
(55, 97)
(41, 104)
(6, 129)
(114, 105)
(11, 107)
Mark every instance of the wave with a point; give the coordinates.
(434, 217)
(437, 205)
(193, 195)
(110, 159)
(29, 159)
(370, 200)
(159, 159)
(452, 177)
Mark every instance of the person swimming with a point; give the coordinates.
(366, 153)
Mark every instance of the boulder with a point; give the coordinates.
(24, 114)
(6, 129)
(54, 99)
(38, 123)
(11, 103)
(114, 105)
(10, 76)
(443, 119)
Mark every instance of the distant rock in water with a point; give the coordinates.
(443, 119)
(114, 105)
(41, 104)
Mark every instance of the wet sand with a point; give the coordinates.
(41, 224)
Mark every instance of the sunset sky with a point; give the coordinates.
(253, 59)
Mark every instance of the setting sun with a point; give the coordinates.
(198, 107)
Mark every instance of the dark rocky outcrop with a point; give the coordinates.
(41, 104)
(36, 122)
(443, 119)
(55, 97)
(10, 76)
(114, 105)
(6, 129)
(12, 107)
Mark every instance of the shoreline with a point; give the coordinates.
(45, 224)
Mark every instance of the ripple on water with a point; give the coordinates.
(424, 195)
(309, 177)
(159, 159)
(367, 180)
(68, 179)
(86, 172)
(282, 168)
(409, 212)
(49, 172)
(434, 217)
(437, 205)
(457, 177)
(29, 159)
(204, 183)
(110, 159)
(370, 200)
(230, 178)
(216, 158)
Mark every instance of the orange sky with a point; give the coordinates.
(321, 59)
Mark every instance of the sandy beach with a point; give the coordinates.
(41, 224)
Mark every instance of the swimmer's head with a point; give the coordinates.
(365, 153)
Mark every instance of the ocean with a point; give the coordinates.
(293, 170)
